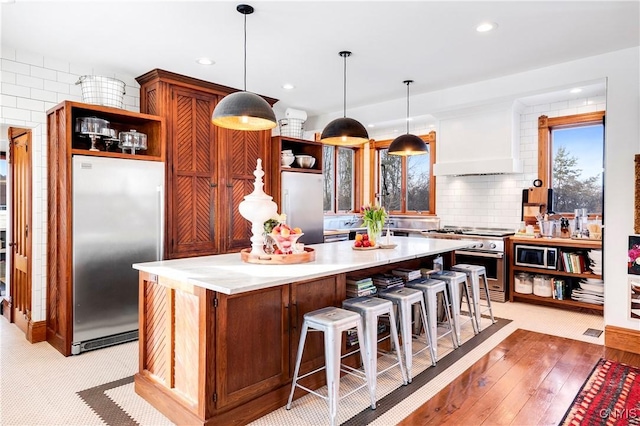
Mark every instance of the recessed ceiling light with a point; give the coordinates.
(409, 119)
(486, 26)
(371, 125)
(288, 86)
(576, 90)
(205, 61)
(432, 126)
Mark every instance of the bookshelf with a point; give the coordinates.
(572, 266)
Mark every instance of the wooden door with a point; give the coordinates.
(242, 150)
(21, 230)
(192, 188)
(252, 344)
(307, 297)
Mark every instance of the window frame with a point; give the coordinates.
(374, 160)
(545, 144)
(358, 173)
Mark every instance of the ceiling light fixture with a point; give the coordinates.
(244, 110)
(288, 86)
(344, 131)
(205, 61)
(408, 144)
(486, 26)
(576, 90)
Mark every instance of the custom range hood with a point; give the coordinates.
(479, 141)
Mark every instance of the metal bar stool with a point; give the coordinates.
(332, 322)
(371, 309)
(455, 281)
(430, 289)
(474, 272)
(404, 299)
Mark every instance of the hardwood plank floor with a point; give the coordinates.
(528, 379)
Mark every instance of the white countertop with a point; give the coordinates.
(228, 274)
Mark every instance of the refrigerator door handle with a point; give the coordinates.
(286, 206)
(160, 206)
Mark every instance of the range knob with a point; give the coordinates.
(492, 245)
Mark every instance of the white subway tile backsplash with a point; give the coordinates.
(30, 104)
(43, 73)
(28, 81)
(56, 64)
(64, 77)
(7, 53)
(8, 101)
(43, 95)
(16, 114)
(81, 69)
(15, 90)
(15, 67)
(38, 117)
(30, 58)
(8, 77)
(587, 108)
(54, 86)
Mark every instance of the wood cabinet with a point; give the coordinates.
(62, 143)
(239, 349)
(209, 169)
(299, 147)
(571, 278)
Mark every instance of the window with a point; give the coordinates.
(341, 167)
(405, 185)
(571, 160)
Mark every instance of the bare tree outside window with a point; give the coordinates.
(578, 168)
(328, 170)
(418, 182)
(390, 181)
(345, 179)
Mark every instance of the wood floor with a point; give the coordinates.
(528, 379)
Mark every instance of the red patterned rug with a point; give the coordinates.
(610, 396)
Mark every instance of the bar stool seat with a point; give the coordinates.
(404, 299)
(474, 272)
(332, 321)
(430, 289)
(455, 281)
(371, 309)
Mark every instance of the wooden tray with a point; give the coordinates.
(309, 255)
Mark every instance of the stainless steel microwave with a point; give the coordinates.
(536, 256)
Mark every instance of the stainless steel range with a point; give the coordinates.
(488, 250)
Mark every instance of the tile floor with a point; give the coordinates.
(39, 386)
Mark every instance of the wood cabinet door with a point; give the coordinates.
(252, 344)
(306, 297)
(192, 181)
(238, 161)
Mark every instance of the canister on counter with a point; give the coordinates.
(542, 286)
(523, 283)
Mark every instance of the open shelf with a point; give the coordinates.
(548, 301)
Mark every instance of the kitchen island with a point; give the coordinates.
(218, 337)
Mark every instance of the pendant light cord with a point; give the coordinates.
(245, 52)
(408, 82)
(344, 90)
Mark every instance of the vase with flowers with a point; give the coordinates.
(373, 217)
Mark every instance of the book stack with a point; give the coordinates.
(407, 274)
(573, 262)
(360, 286)
(387, 281)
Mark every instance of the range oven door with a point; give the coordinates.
(493, 262)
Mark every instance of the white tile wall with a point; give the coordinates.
(495, 200)
(31, 84)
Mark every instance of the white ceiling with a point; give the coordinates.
(297, 42)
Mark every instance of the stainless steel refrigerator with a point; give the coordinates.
(302, 195)
(117, 221)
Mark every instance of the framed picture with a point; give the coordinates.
(633, 261)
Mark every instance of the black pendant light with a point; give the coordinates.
(344, 131)
(408, 144)
(244, 110)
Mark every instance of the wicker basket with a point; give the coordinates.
(291, 127)
(101, 90)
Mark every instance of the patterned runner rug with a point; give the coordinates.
(610, 396)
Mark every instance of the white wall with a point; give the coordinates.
(31, 84)
(495, 200)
